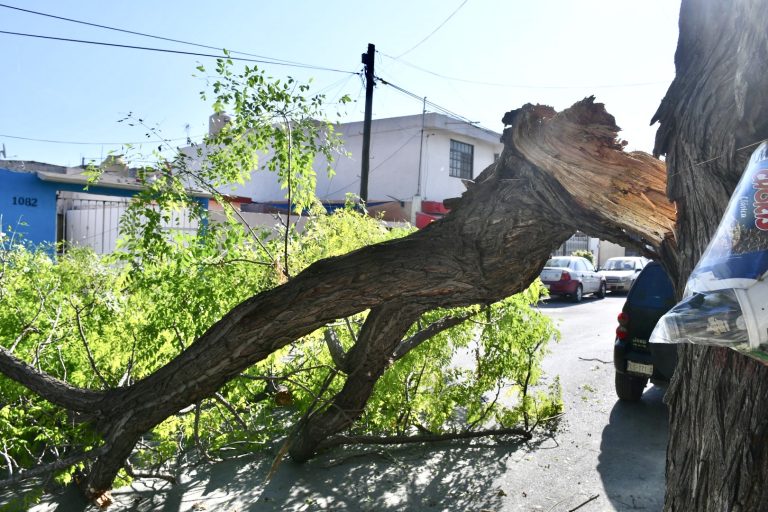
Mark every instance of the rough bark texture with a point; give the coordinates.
(367, 360)
(717, 457)
(493, 244)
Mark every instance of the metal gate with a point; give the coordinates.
(578, 242)
(95, 221)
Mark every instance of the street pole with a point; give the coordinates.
(368, 61)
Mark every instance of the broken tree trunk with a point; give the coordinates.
(493, 244)
(713, 114)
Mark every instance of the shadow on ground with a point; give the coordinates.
(564, 302)
(447, 476)
(633, 452)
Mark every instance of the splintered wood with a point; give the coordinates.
(580, 148)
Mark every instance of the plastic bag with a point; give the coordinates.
(726, 297)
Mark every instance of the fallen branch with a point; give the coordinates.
(590, 499)
(595, 359)
(424, 438)
(138, 474)
(428, 332)
(52, 467)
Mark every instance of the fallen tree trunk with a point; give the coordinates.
(493, 244)
(712, 116)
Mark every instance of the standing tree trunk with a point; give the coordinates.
(713, 114)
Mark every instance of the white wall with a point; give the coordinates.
(394, 165)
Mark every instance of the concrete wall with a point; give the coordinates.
(609, 250)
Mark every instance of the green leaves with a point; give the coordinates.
(480, 373)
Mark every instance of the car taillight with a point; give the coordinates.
(565, 276)
(621, 331)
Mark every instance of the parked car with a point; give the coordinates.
(620, 273)
(635, 360)
(572, 276)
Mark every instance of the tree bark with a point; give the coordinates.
(713, 113)
(383, 329)
(493, 244)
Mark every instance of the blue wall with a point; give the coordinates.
(28, 204)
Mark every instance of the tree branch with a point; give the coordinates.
(52, 467)
(139, 474)
(228, 406)
(47, 386)
(83, 338)
(431, 330)
(336, 350)
(423, 438)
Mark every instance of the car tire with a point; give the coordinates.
(601, 292)
(578, 294)
(630, 388)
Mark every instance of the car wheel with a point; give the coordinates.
(629, 387)
(578, 294)
(601, 292)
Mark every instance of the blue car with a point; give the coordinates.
(636, 361)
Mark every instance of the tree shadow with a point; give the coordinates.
(444, 476)
(633, 448)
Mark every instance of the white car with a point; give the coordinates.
(620, 273)
(572, 276)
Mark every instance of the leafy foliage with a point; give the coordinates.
(105, 321)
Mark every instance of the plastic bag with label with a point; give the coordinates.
(726, 297)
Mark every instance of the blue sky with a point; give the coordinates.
(491, 56)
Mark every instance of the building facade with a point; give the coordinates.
(47, 204)
(412, 159)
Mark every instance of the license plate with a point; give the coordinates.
(547, 287)
(642, 369)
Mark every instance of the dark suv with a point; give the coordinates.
(634, 358)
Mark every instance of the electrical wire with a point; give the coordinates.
(436, 107)
(520, 86)
(434, 31)
(356, 180)
(147, 141)
(143, 34)
(180, 52)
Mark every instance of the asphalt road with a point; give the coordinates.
(605, 456)
(605, 448)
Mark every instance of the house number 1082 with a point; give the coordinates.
(25, 201)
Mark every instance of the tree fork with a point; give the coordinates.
(382, 331)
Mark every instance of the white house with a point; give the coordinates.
(415, 163)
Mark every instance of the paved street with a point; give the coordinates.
(605, 447)
(606, 455)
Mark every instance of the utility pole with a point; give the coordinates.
(368, 60)
(421, 145)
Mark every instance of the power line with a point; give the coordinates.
(79, 143)
(520, 86)
(435, 106)
(433, 32)
(143, 34)
(180, 52)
